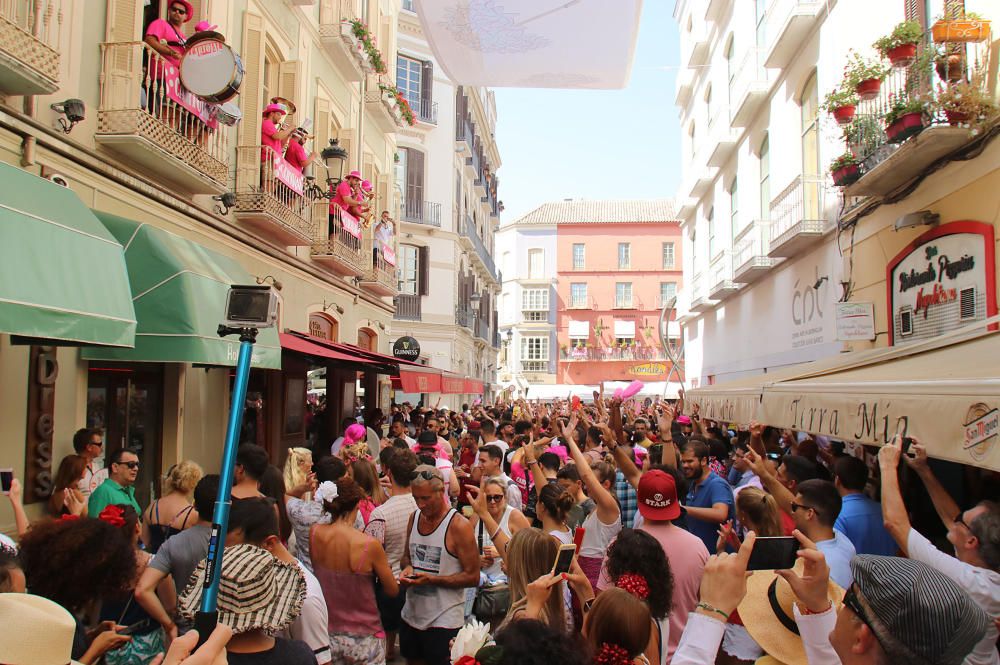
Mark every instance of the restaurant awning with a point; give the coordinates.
(946, 393)
(317, 350)
(62, 275)
(379, 361)
(452, 384)
(417, 381)
(474, 387)
(179, 291)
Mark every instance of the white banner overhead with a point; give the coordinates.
(533, 43)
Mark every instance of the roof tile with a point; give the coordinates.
(579, 211)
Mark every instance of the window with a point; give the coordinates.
(765, 178)
(412, 165)
(623, 295)
(579, 255)
(578, 294)
(734, 221)
(536, 263)
(668, 256)
(534, 348)
(691, 134)
(624, 256)
(535, 304)
(730, 71)
(409, 79)
(711, 233)
(709, 112)
(408, 5)
(761, 11)
(811, 168)
(668, 290)
(408, 270)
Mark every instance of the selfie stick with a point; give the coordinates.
(207, 617)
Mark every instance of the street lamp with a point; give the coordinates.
(475, 299)
(334, 157)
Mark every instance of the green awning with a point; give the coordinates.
(179, 291)
(62, 274)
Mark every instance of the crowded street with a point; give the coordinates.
(289, 379)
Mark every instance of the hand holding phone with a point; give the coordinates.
(773, 553)
(564, 559)
(6, 480)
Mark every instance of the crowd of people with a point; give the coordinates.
(604, 532)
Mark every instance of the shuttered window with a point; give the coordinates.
(409, 270)
(253, 78)
(424, 260)
(413, 191)
(288, 86)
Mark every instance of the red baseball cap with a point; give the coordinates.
(657, 496)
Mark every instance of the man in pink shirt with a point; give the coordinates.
(296, 154)
(272, 134)
(165, 36)
(658, 505)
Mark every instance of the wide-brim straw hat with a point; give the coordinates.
(767, 614)
(256, 591)
(36, 631)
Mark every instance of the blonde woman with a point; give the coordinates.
(173, 512)
(298, 466)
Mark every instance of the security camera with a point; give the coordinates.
(74, 110)
(59, 179)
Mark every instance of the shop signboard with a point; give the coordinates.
(406, 348)
(855, 321)
(941, 281)
(648, 370)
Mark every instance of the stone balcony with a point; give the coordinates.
(29, 37)
(270, 197)
(750, 258)
(798, 217)
(341, 45)
(338, 243)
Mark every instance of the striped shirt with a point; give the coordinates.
(387, 525)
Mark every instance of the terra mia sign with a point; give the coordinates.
(941, 281)
(406, 348)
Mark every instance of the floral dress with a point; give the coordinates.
(148, 641)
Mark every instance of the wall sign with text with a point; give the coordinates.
(943, 280)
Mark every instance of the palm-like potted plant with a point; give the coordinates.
(905, 118)
(863, 135)
(845, 170)
(900, 46)
(864, 76)
(960, 26)
(841, 104)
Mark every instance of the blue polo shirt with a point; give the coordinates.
(709, 492)
(861, 521)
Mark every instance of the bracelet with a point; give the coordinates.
(534, 461)
(805, 611)
(709, 608)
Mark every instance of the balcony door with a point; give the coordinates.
(412, 165)
(811, 169)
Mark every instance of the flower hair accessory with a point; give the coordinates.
(635, 584)
(68, 518)
(611, 654)
(113, 515)
(327, 491)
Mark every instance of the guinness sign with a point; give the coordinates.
(406, 348)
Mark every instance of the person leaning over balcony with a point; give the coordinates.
(295, 153)
(166, 37)
(273, 134)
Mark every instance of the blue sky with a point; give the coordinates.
(557, 144)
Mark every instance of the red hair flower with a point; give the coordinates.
(467, 660)
(113, 515)
(612, 654)
(635, 584)
(68, 518)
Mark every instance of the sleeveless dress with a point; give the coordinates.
(433, 606)
(146, 643)
(356, 635)
(158, 533)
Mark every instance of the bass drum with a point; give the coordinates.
(228, 114)
(211, 70)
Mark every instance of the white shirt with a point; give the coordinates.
(982, 585)
(312, 624)
(93, 476)
(700, 641)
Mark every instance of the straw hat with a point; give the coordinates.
(36, 631)
(768, 616)
(256, 591)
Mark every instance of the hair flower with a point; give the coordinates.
(327, 491)
(635, 584)
(113, 515)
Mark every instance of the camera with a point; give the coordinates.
(251, 306)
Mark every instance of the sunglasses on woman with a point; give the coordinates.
(494, 498)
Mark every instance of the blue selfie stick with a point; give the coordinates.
(208, 616)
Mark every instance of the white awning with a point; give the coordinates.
(624, 329)
(673, 330)
(579, 330)
(531, 43)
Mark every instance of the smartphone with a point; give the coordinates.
(907, 442)
(578, 537)
(135, 627)
(774, 457)
(564, 558)
(6, 480)
(656, 453)
(773, 553)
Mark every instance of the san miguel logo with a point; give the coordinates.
(981, 427)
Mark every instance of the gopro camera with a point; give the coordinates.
(251, 306)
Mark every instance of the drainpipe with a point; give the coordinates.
(28, 142)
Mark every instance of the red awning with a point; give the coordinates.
(310, 348)
(350, 349)
(473, 387)
(413, 381)
(452, 385)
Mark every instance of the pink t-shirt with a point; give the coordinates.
(165, 32)
(520, 477)
(343, 191)
(269, 139)
(296, 155)
(687, 556)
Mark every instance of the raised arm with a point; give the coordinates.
(664, 425)
(622, 459)
(769, 481)
(607, 507)
(894, 515)
(945, 506)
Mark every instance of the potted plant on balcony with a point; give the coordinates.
(905, 117)
(900, 46)
(863, 135)
(845, 170)
(864, 76)
(841, 104)
(960, 26)
(368, 47)
(967, 103)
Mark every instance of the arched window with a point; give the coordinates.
(367, 339)
(324, 326)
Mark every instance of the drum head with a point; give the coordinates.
(211, 70)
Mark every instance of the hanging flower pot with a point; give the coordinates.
(905, 126)
(955, 118)
(950, 67)
(844, 114)
(902, 55)
(868, 89)
(963, 30)
(846, 175)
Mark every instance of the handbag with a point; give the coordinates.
(492, 601)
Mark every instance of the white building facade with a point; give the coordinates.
(446, 177)
(528, 304)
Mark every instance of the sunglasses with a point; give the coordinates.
(494, 498)
(796, 506)
(131, 465)
(430, 475)
(853, 604)
(958, 520)
(179, 10)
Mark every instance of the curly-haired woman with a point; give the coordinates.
(78, 563)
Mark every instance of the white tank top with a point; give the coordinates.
(483, 533)
(433, 606)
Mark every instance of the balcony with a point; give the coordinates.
(684, 87)
(798, 217)
(464, 136)
(338, 247)
(338, 41)
(722, 284)
(472, 238)
(722, 145)
(270, 197)
(422, 212)
(407, 307)
(886, 166)
(147, 117)
(425, 110)
(789, 22)
(716, 9)
(29, 37)
(582, 303)
(379, 276)
(384, 110)
(700, 300)
(697, 43)
(465, 317)
(611, 354)
(749, 90)
(750, 259)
